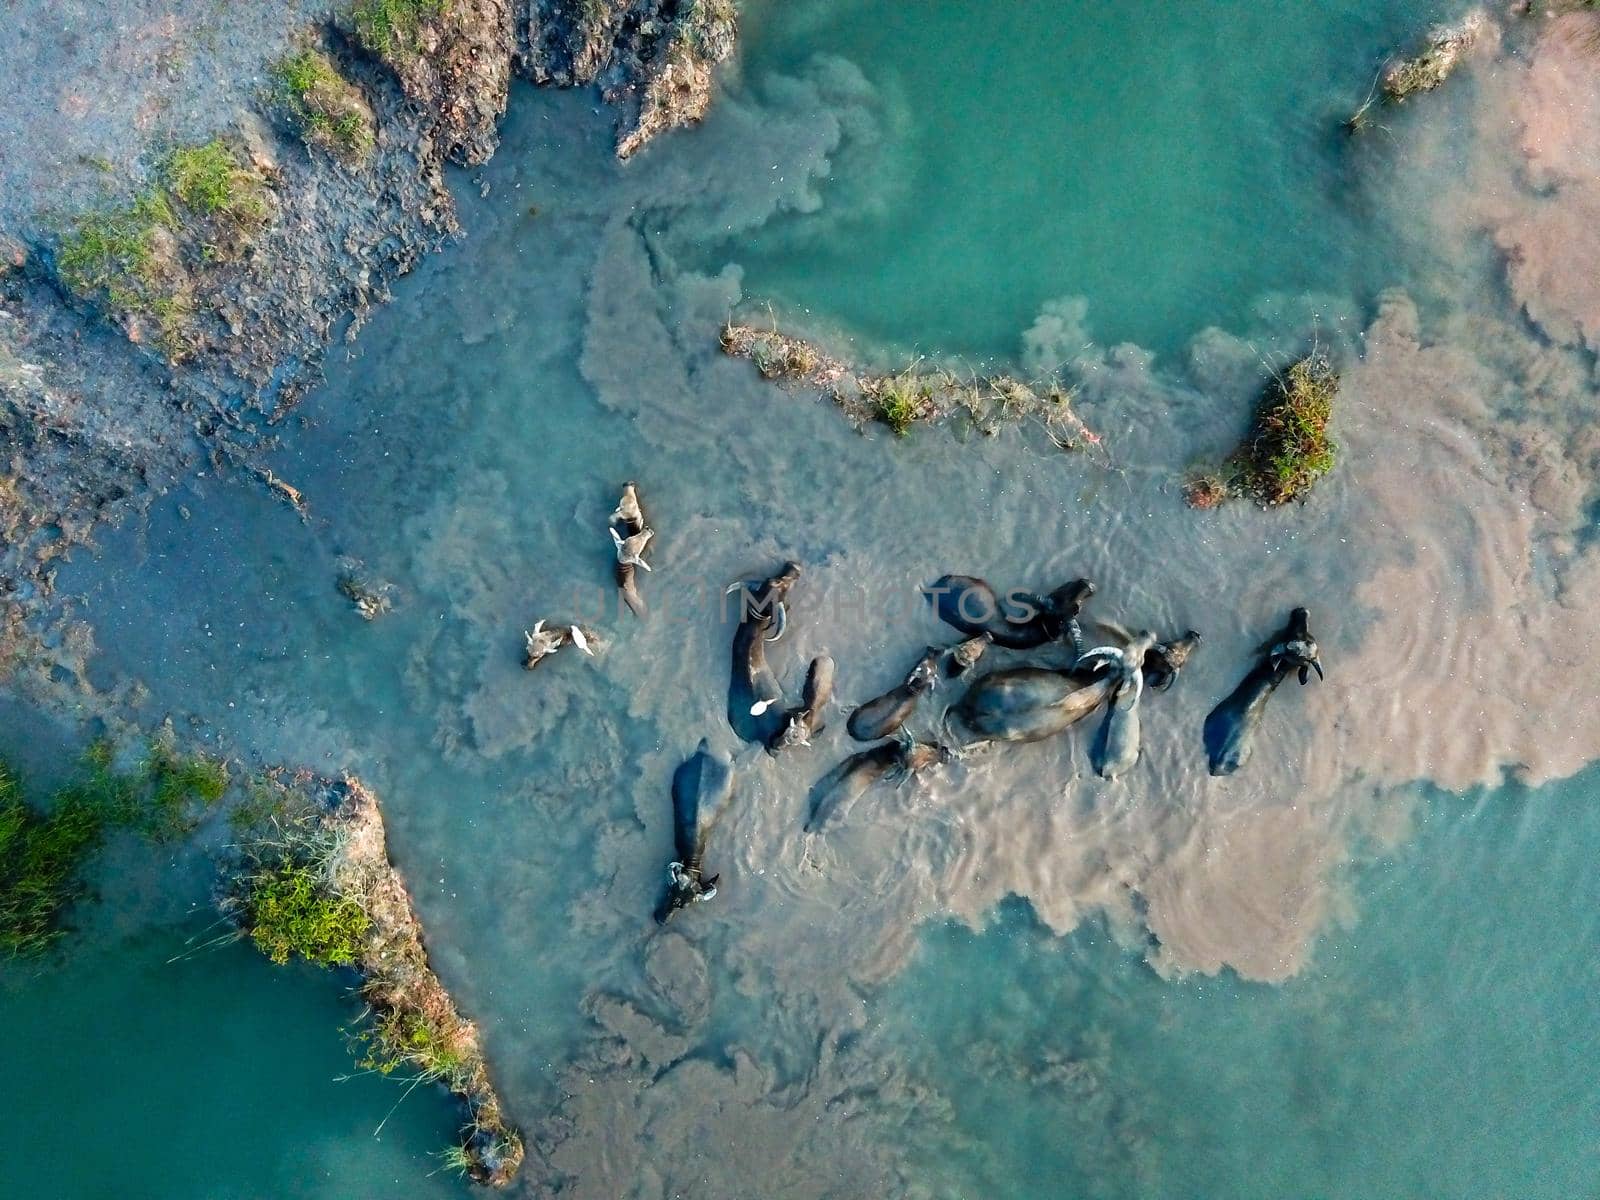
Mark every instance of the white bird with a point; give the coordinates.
(542, 643)
(628, 511)
(630, 549)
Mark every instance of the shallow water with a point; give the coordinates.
(219, 1077)
(1438, 1047)
(794, 1032)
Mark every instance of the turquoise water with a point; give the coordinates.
(1174, 163)
(823, 1029)
(216, 1077)
(1441, 1047)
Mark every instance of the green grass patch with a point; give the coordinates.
(114, 251)
(177, 784)
(323, 106)
(43, 850)
(41, 857)
(457, 1159)
(210, 179)
(303, 72)
(406, 1041)
(283, 892)
(291, 913)
(392, 28)
(203, 176)
(899, 400)
(132, 257)
(1289, 449)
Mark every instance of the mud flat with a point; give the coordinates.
(228, 191)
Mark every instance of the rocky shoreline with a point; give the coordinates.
(154, 323)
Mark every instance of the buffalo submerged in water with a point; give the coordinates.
(1231, 726)
(841, 787)
(754, 697)
(702, 788)
(1116, 749)
(883, 716)
(808, 718)
(1022, 621)
(1029, 704)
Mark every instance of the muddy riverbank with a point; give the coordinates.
(153, 316)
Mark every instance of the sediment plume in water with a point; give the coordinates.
(1481, 617)
(1546, 219)
(1442, 564)
(1444, 561)
(1441, 608)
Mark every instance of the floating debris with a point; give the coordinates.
(901, 399)
(371, 598)
(284, 490)
(1206, 490)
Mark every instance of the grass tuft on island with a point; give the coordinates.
(313, 881)
(44, 850)
(1288, 448)
(322, 106)
(899, 400)
(290, 913)
(1442, 52)
(913, 395)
